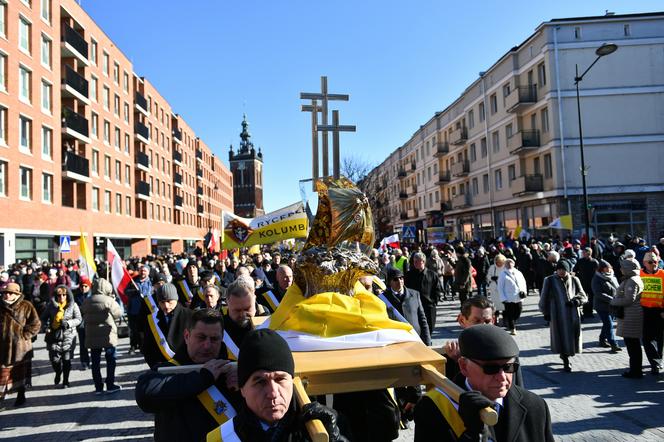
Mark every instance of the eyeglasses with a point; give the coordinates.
(491, 369)
(651, 262)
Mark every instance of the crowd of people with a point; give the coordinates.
(199, 308)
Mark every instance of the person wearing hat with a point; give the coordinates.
(188, 284)
(560, 302)
(265, 371)
(100, 311)
(165, 327)
(188, 405)
(585, 269)
(19, 323)
(652, 302)
(407, 304)
(488, 361)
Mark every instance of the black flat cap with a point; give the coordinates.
(394, 273)
(487, 343)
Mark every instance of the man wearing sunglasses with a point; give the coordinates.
(487, 364)
(652, 302)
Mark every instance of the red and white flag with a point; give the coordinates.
(214, 241)
(120, 278)
(392, 241)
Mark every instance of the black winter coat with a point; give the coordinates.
(426, 283)
(174, 336)
(411, 309)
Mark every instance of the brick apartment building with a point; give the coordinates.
(86, 144)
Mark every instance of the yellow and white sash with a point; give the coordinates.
(398, 315)
(224, 433)
(232, 350)
(448, 408)
(160, 339)
(201, 295)
(185, 288)
(271, 299)
(152, 307)
(217, 405)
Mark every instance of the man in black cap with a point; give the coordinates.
(165, 328)
(487, 365)
(561, 299)
(407, 304)
(190, 404)
(269, 412)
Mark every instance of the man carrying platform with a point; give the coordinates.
(270, 299)
(487, 364)
(269, 412)
(190, 404)
(241, 309)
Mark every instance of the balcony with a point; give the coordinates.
(200, 209)
(74, 85)
(177, 135)
(199, 190)
(459, 136)
(177, 180)
(526, 184)
(199, 155)
(142, 132)
(403, 195)
(199, 173)
(445, 206)
(444, 177)
(413, 166)
(521, 97)
(460, 169)
(141, 104)
(402, 173)
(442, 148)
(76, 167)
(73, 44)
(403, 216)
(143, 161)
(143, 190)
(461, 201)
(178, 200)
(523, 141)
(75, 125)
(412, 190)
(177, 157)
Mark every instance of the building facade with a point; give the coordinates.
(247, 169)
(506, 153)
(86, 145)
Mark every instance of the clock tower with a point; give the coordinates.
(247, 169)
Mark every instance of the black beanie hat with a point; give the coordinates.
(487, 343)
(565, 265)
(263, 349)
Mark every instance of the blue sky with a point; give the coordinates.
(400, 61)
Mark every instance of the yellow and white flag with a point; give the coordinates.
(562, 223)
(87, 263)
(285, 223)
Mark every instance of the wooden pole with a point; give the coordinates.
(315, 427)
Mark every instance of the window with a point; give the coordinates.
(537, 170)
(25, 134)
(126, 113)
(495, 141)
(548, 167)
(499, 179)
(508, 131)
(116, 140)
(95, 162)
(511, 174)
(3, 178)
(24, 34)
(107, 201)
(481, 112)
(116, 73)
(116, 105)
(127, 143)
(128, 206)
(471, 119)
(46, 51)
(24, 88)
(107, 166)
(475, 187)
(627, 31)
(47, 188)
(46, 10)
(506, 90)
(93, 88)
(47, 143)
(46, 91)
(541, 75)
(93, 51)
(473, 153)
(95, 125)
(493, 101)
(3, 71)
(118, 171)
(104, 65)
(3, 19)
(107, 132)
(118, 204)
(577, 32)
(483, 148)
(107, 98)
(125, 83)
(127, 175)
(545, 120)
(3, 126)
(25, 190)
(95, 198)
(485, 182)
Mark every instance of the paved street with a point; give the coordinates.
(592, 403)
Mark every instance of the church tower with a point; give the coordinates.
(247, 169)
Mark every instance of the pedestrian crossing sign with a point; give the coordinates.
(408, 232)
(65, 243)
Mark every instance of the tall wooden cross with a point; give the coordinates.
(335, 128)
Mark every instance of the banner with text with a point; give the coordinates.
(288, 222)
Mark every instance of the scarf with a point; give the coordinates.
(57, 320)
(610, 278)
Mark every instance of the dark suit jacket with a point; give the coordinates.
(175, 335)
(524, 417)
(411, 309)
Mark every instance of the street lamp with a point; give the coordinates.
(605, 49)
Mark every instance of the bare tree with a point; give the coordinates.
(355, 168)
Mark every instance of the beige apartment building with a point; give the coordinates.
(506, 153)
(88, 145)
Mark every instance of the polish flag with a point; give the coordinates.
(120, 278)
(392, 241)
(214, 241)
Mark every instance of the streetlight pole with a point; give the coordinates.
(605, 49)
